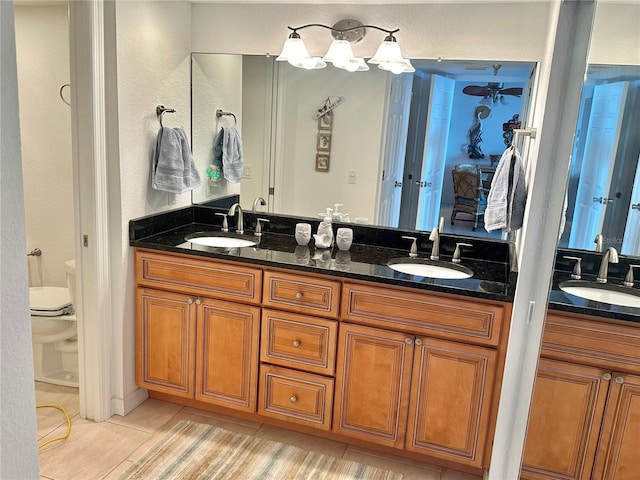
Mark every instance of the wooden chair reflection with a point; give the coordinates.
(470, 196)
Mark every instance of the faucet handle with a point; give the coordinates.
(225, 223)
(628, 279)
(414, 246)
(258, 231)
(456, 252)
(577, 268)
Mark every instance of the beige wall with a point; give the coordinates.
(42, 44)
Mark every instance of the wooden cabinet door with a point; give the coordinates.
(165, 341)
(450, 399)
(373, 371)
(619, 448)
(564, 421)
(228, 346)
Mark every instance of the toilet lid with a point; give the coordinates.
(49, 301)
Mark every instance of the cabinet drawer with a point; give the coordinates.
(296, 397)
(298, 341)
(301, 293)
(198, 277)
(579, 339)
(423, 313)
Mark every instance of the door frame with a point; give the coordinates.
(89, 129)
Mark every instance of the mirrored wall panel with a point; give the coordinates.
(377, 147)
(604, 184)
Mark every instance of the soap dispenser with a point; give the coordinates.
(337, 214)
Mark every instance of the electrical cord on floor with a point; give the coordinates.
(66, 415)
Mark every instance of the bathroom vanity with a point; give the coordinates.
(587, 392)
(349, 349)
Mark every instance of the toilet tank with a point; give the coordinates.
(70, 271)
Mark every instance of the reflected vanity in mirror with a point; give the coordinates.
(394, 139)
(603, 208)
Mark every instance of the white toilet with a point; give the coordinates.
(54, 331)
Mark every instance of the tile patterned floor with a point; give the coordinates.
(102, 451)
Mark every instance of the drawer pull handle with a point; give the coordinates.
(198, 302)
(619, 380)
(418, 342)
(408, 341)
(606, 376)
(293, 399)
(299, 295)
(190, 301)
(296, 343)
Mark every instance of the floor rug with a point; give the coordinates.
(198, 451)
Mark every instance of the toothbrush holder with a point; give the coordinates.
(344, 238)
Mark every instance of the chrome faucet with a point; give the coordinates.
(240, 223)
(435, 238)
(258, 201)
(598, 241)
(611, 255)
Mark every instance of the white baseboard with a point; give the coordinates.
(124, 406)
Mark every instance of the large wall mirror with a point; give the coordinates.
(604, 183)
(386, 153)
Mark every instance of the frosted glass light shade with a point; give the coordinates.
(311, 63)
(355, 65)
(397, 67)
(388, 52)
(339, 53)
(293, 51)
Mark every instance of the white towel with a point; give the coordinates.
(505, 207)
(173, 167)
(232, 155)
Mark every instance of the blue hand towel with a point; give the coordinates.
(173, 167)
(232, 161)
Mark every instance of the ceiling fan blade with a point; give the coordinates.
(515, 91)
(476, 90)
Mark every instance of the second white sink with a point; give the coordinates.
(219, 240)
(605, 293)
(422, 267)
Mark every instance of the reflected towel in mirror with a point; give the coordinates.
(232, 161)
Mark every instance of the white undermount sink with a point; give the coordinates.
(603, 292)
(220, 240)
(423, 267)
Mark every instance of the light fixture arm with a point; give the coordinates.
(388, 32)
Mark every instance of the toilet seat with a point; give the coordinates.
(50, 301)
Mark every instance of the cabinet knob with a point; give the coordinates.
(408, 341)
(293, 399)
(619, 380)
(299, 295)
(418, 342)
(296, 343)
(198, 301)
(190, 301)
(606, 376)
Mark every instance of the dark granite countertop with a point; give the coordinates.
(492, 278)
(561, 301)
(491, 261)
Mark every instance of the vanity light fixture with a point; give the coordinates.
(345, 32)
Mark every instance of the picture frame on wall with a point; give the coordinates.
(324, 142)
(325, 122)
(322, 162)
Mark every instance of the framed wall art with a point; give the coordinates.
(324, 141)
(322, 162)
